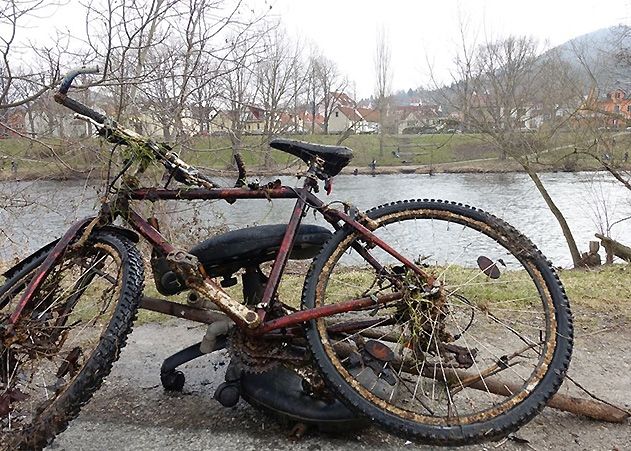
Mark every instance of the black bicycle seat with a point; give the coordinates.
(335, 157)
(225, 254)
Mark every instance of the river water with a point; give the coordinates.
(40, 211)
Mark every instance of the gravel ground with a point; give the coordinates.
(132, 412)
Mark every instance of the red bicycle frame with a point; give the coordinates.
(304, 199)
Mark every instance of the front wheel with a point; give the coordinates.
(67, 337)
(471, 354)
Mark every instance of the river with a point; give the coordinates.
(40, 211)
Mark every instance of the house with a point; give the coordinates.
(254, 121)
(412, 118)
(342, 99)
(616, 108)
(360, 120)
(12, 123)
(311, 123)
(221, 122)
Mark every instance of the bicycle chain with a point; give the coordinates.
(255, 355)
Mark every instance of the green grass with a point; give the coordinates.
(413, 149)
(605, 290)
(471, 152)
(215, 152)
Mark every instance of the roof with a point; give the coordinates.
(419, 111)
(351, 113)
(343, 99)
(626, 94)
(360, 114)
(306, 117)
(369, 114)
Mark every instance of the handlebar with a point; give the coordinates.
(108, 128)
(67, 81)
(78, 107)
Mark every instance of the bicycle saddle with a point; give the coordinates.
(335, 157)
(225, 254)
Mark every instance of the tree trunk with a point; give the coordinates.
(565, 228)
(613, 247)
(381, 141)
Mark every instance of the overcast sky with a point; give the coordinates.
(421, 32)
(428, 31)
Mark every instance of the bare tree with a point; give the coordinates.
(238, 86)
(500, 89)
(383, 81)
(20, 83)
(277, 78)
(325, 85)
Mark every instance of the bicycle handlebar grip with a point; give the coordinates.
(79, 108)
(61, 97)
(67, 81)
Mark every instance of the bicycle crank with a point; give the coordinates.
(188, 267)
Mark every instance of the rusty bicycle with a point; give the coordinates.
(432, 319)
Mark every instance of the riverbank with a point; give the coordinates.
(402, 154)
(487, 166)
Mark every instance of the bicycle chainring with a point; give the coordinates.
(257, 355)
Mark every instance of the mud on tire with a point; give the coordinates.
(68, 336)
(472, 358)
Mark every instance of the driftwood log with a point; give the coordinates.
(613, 247)
(580, 406)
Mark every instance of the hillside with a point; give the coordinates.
(600, 52)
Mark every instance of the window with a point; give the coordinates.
(337, 114)
(629, 108)
(258, 126)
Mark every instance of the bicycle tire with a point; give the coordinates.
(343, 358)
(64, 318)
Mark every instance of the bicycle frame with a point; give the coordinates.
(304, 198)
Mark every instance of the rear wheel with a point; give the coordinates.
(67, 337)
(468, 356)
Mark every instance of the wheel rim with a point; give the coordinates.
(56, 335)
(487, 321)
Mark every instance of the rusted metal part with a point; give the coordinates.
(155, 194)
(327, 310)
(282, 256)
(538, 373)
(379, 351)
(180, 310)
(488, 267)
(150, 233)
(47, 265)
(352, 326)
(187, 266)
(259, 354)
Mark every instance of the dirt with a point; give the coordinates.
(133, 412)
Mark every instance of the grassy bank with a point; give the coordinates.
(401, 153)
(599, 297)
